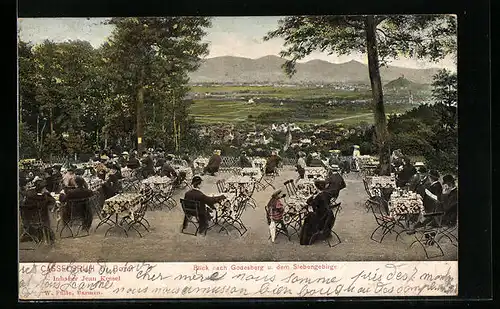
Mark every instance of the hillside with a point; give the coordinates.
(268, 70)
(402, 83)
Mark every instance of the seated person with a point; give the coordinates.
(213, 164)
(167, 169)
(274, 213)
(111, 186)
(318, 223)
(195, 194)
(272, 163)
(68, 179)
(334, 184)
(418, 180)
(316, 161)
(50, 183)
(334, 158)
(449, 200)
(186, 158)
(244, 161)
(406, 173)
(82, 209)
(29, 209)
(147, 165)
(133, 163)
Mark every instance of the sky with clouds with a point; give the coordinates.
(228, 36)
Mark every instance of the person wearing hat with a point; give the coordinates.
(301, 165)
(68, 179)
(167, 169)
(432, 201)
(133, 163)
(244, 161)
(318, 223)
(334, 158)
(418, 181)
(39, 199)
(272, 163)
(205, 201)
(147, 165)
(213, 164)
(80, 192)
(97, 156)
(406, 173)
(316, 160)
(449, 201)
(334, 183)
(274, 214)
(432, 192)
(123, 159)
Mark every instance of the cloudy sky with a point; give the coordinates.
(229, 36)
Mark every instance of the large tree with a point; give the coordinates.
(150, 59)
(380, 37)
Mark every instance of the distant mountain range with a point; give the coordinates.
(268, 70)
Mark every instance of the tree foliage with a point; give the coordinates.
(381, 37)
(89, 95)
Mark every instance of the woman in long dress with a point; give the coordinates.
(318, 223)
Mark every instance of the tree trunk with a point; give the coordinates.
(140, 113)
(381, 132)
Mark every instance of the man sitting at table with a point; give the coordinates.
(316, 160)
(213, 164)
(205, 201)
(147, 165)
(167, 169)
(418, 180)
(123, 159)
(449, 200)
(334, 183)
(81, 209)
(69, 179)
(334, 158)
(272, 163)
(404, 176)
(244, 161)
(45, 201)
(318, 223)
(133, 163)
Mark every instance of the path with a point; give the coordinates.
(349, 117)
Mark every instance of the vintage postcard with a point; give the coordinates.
(238, 157)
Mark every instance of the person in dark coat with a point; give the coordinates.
(432, 193)
(316, 161)
(213, 164)
(111, 186)
(167, 169)
(318, 223)
(133, 162)
(147, 165)
(244, 161)
(205, 201)
(272, 163)
(418, 180)
(449, 200)
(405, 174)
(334, 184)
(431, 199)
(81, 209)
(37, 203)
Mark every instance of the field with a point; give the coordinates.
(228, 104)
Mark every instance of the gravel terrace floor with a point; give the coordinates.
(165, 243)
